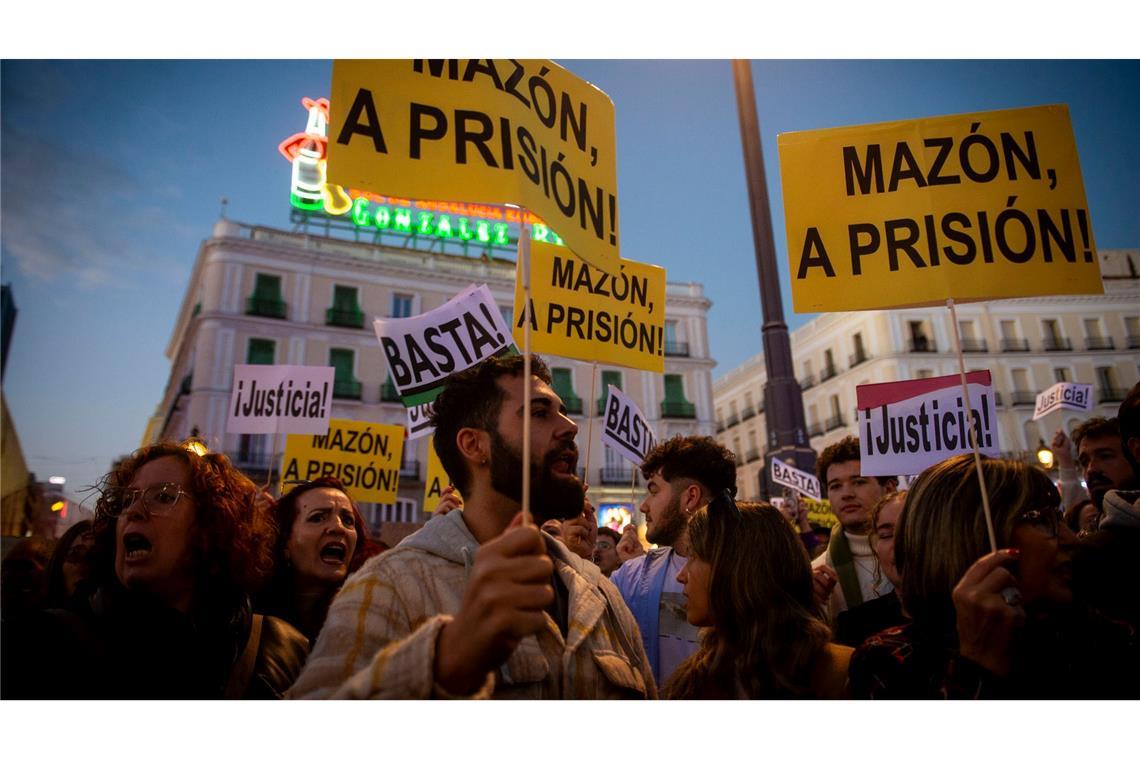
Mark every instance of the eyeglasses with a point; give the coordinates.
(1045, 520)
(158, 500)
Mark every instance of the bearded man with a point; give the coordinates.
(477, 603)
(682, 475)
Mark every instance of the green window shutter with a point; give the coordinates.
(342, 359)
(609, 377)
(344, 298)
(267, 287)
(260, 351)
(674, 388)
(563, 384)
(675, 404)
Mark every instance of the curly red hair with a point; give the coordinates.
(233, 536)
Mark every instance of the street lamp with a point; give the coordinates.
(1044, 455)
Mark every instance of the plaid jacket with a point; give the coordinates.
(379, 638)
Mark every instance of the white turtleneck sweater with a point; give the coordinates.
(865, 561)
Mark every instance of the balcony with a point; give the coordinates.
(922, 345)
(814, 429)
(719, 426)
(855, 359)
(998, 399)
(807, 382)
(827, 373)
(410, 470)
(748, 413)
(732, 420)
(1098, 343)
(344, 318)
(388, 392)
(1111, 395)
(347, 389)
(676, 348)
(1134, 341)
(1056, 344)
(679, 409)
(265, 307)
(573, 405)
(835, 422)
(617, 475)
(1014, 345)
(974, 346)
(1023, 398)
(752, 455)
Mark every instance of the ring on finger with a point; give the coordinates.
(1011, 596)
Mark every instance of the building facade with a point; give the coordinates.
(266, 296)
(1028, 344)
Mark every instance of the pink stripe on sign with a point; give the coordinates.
(880, 394)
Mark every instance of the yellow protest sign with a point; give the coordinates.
(436, 479)
(909, 213)
(583, 313)
(364, 456)
(482, 131)
(819, 512)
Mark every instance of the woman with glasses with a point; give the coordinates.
(748, 581)
(180, 542)
(982, 623)
(321, 540)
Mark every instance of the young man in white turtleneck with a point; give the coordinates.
(849, 553)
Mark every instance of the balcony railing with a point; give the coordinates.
(1023, 398)
(1056, 344)
(807, 382)
(835, 422)
(347, 389)
(1134, 341)
(1014, 345)
(617, 475)
(678, 409)
(814, 429)
(719, 426)
(1098, 343)
(676, 348)
(922, 345)
(748, 413)
(1111, 395)
(974, 346)
(732, 420)
(265, 307)
(752, 455)
(344, 318)
(856, 358)
(827, 373)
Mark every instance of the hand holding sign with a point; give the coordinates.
(505, 599)
(987, 620)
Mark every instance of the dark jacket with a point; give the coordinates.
(125, 645)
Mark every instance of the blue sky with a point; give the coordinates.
(112, 173)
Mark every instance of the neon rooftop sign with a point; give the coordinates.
(311, 193)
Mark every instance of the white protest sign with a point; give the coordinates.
(419, 421)
(798, 480)
(626, 430)
(904, 427)
(422, 351)
(280, 398)
(1077, 396)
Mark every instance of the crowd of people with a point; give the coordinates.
(192, 582)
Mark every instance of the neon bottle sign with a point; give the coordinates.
(310, 192)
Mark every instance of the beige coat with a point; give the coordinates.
(379, 639)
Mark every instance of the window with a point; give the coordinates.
(508, 314)
(345, 384)
(609, 377)
(266, 300)
(924, 373)
(920, 340)
(1092, 328)
(260, 351)
(1008, 328)
(828, 364)
(860, 354)
(807, 380)
(401, 305)
(1053, 340)
(1061, 374)
(1020, 379)
(563, 385)
(345, 310)
(1009, 337)
(674, 346)
(675, 403)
